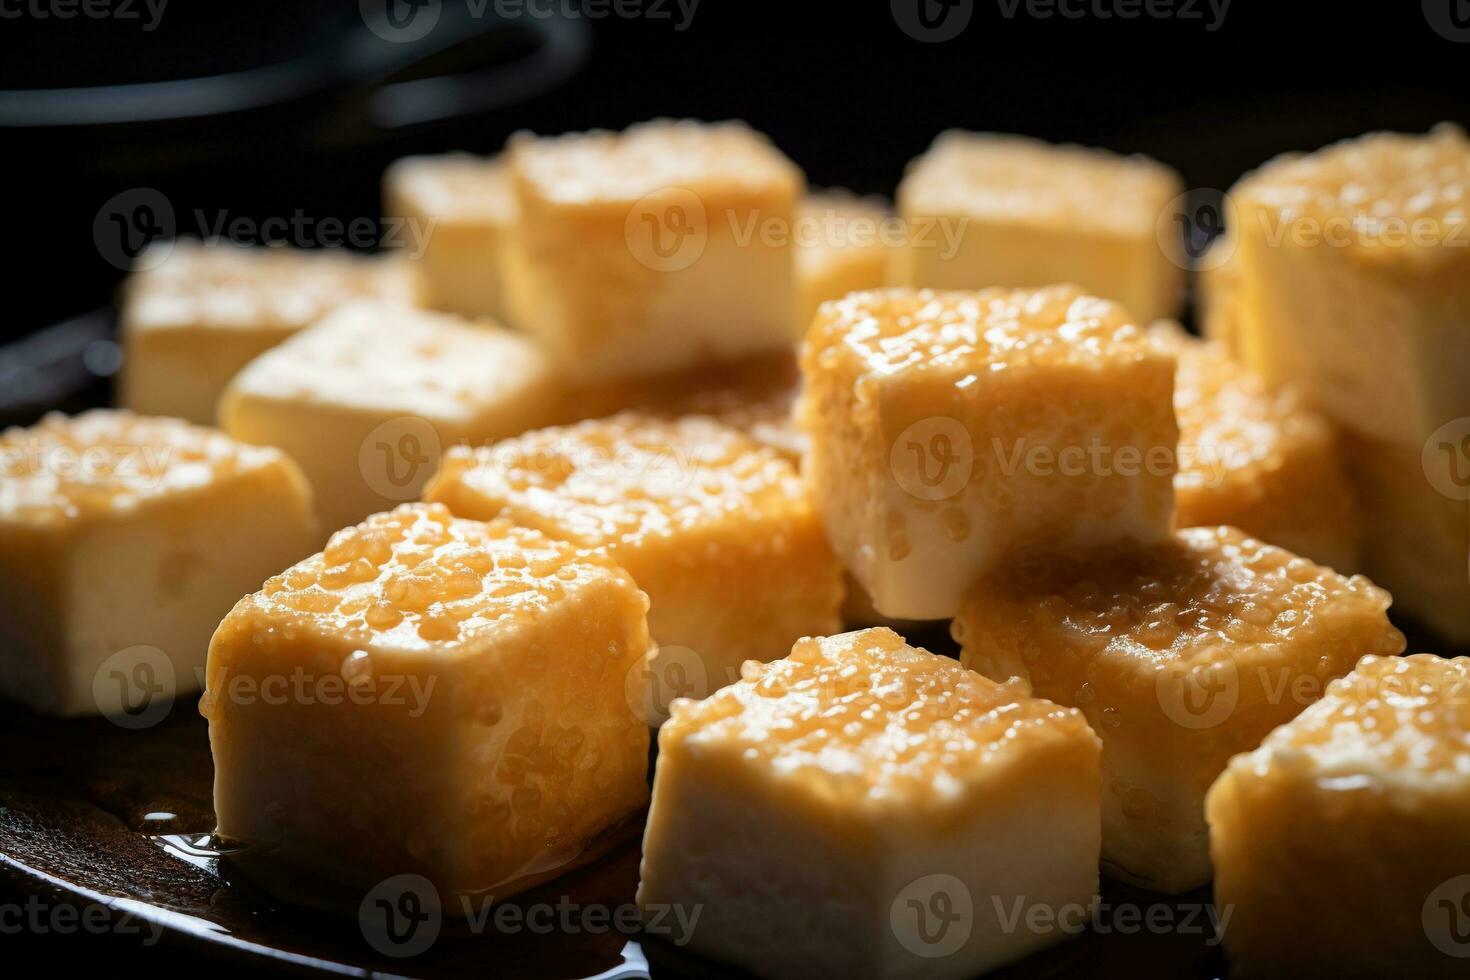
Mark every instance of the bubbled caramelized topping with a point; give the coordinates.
(903, 329)
(867, 718)
(1229, 418)
(620, 479)
(1027, 181)
(105, 461)
(416, 576)
(1396, 719)
(1208, 592)
(244, 287)
(1383, 193)
(581, 168)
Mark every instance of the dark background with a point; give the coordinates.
(840, 86)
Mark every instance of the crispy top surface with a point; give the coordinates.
(454, 187)
(866, 719)
(1399, 719)
(228, 286)
(622, 479)
(381, 357)
(1387, 193)
(1212, 592)
(1228, 416)
(888, 331)
(110, 462)
(416, 579)
(602, 166)
(1000, 178)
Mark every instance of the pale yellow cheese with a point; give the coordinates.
(1354, 279)
(429, 696)
(368, 400)
(983, 209)
(1339, 844)
(663, 247)
(123, 540)
(194, 319)
(1180, 655)
(863, 808)
(718, 530)
(452, 215)
(1257, 459)
(952, 431)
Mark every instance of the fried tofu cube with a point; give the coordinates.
(871, 810)
(1355, 279)
(952, 431)
(367, 400)
(123, 540)
(1416, 530)
(1180, 655)
(717, 530)
(983, 209)
(429, 696)
(659, 248)
(1339, 844)
(844, 248)
(1257, 459)
(194, 317)
(456, 211)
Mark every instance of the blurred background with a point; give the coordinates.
(123, 119)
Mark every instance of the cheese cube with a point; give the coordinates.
(429, 696)
(367, 400)
(1355, 279)
(1257, 459)
(1416, 534)
(991, 210)
(1180, 656)
(458, 210)
(659, 248)
(1217, 304)
(1340, 843)
(718, 531)
(843, 248)
(123, 540)
(193, 320)
(951, 431)
(866, 809)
